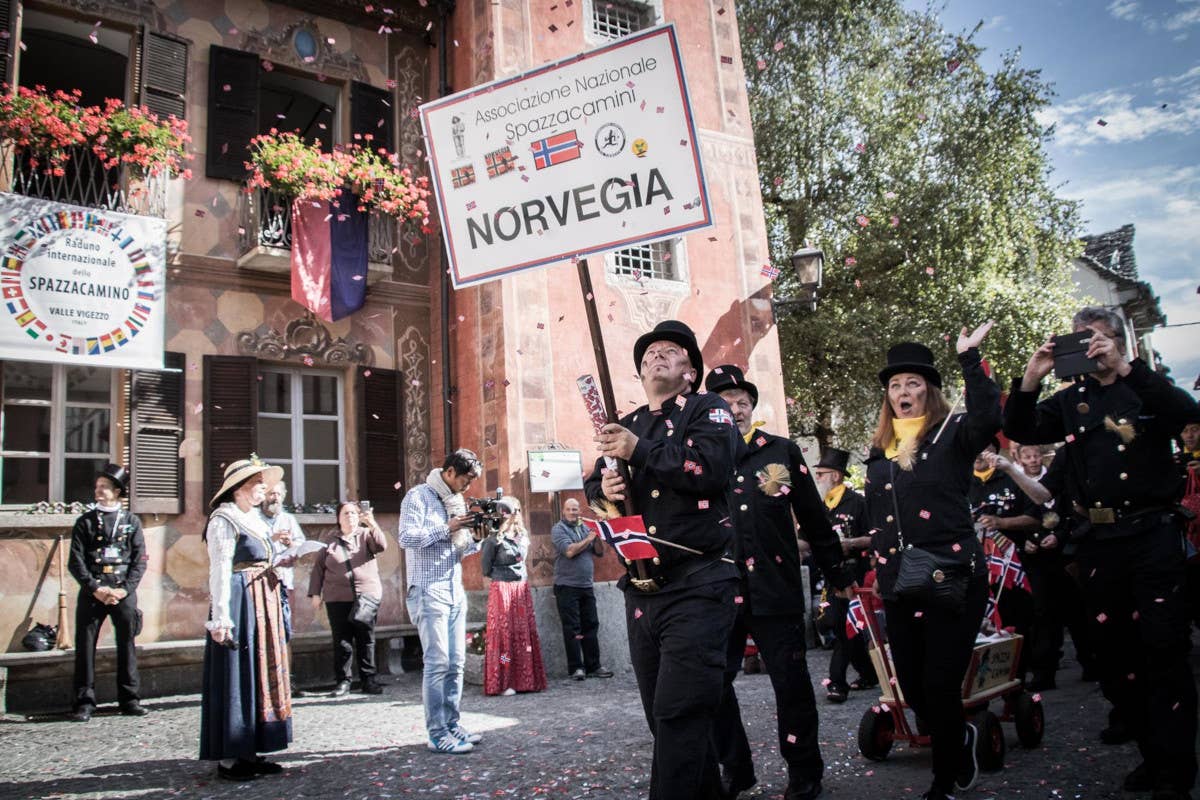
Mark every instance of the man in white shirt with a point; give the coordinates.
(285, 533)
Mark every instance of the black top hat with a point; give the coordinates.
(834, 459)
(671, 330)
(117, 474)
(728, 376)
(910, 357)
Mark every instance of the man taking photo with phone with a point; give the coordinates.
(1118, 422)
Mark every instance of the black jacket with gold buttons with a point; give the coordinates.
(1118, 437)
(104, 556)
(680, 472)
(765, 512)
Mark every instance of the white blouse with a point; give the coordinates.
(222, 537)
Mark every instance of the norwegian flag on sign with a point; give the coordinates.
(856, 618)
(500, 161)
(556, 149)
(463, 176)
(627, 535)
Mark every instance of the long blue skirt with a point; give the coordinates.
(229, 718)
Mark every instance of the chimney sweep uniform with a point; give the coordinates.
(1131, 559)
(848, 516)
(679, 628)
(771, 491)
(917, 497)
(107, 550)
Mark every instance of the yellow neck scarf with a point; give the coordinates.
(834, 496)
(904, 429)
(986, 475)
(753, 427)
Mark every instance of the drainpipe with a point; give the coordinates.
(445, 9)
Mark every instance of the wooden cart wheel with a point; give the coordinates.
(989, 746)
(875, 732)
(1030, 720)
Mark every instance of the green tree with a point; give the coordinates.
(925, 180)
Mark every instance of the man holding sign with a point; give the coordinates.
(679, 608)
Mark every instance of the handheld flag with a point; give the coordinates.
(627, 535)
(856, 618)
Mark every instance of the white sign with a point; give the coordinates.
(555, 470)
(80, 285)
(593, 153)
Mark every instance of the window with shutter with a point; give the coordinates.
(371, 112)
(162, 74)
(232, 111)
(156, 431)
(8, 27)
(230, 415)
(380, 437)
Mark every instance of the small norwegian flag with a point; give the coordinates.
(856, 618)
(770, 272)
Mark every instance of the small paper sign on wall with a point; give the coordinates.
(555, 470)
(593, 153)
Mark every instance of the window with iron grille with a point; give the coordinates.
(612, 19)
(646, 261)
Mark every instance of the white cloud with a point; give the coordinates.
(1124, 9)
(1184, 19)
(1125, 117)
(994, 22)
(1185, 15)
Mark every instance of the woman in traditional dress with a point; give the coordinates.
(246, 705)
(512, 658)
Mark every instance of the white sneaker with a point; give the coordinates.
(463, 735)
(509, 692)
(968, 772)
(579, 675)
(449, 744)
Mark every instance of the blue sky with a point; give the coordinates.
(1120, 61)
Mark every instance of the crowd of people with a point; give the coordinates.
(980, 515)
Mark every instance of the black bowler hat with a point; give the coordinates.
(671, 330)
(728, 376)
(117, 474)
(910, 357)
(835, 459)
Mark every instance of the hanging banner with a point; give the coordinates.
(596, 152)
(81, 285)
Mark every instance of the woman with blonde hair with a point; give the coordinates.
(931, 571)
(512, 659)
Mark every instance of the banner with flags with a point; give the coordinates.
(329, 257)
(627, 535)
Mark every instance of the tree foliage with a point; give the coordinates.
(922, 176)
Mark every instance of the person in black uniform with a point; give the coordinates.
(1118, 422)
(680, 449)
(918, 476)
(108, 559)
(847, 512)
(772, 490)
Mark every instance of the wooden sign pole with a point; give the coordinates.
(63, 641)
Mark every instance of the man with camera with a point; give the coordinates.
(1118, 419)
(436, 534)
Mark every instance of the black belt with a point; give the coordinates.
(1125, 522)
(677, 573)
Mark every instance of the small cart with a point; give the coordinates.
(992, 674)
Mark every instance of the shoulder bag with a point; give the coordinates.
(926, 577)
(365, 609)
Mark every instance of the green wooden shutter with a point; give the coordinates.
(8, 26)
(155, 434)
(230, 415)
(232, 111)
(368, 106)
(161, 73)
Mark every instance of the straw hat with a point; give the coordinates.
(239, 471)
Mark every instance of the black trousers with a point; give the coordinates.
(780, 641)
(931, 650)
(677, 643)
(847, 651)
(1137, 609)
(1057, 602)
(89, 616)
(349, 641)
(580, 626)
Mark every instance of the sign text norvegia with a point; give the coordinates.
(589, 154)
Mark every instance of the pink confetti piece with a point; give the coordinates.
(924, 514)
(918, 614)
(956, 547)
(637, 613)
(791, 738)
(1101, 617)
(1037, 697)
(863, 220)
(826, 682)
(702, 504)
(761, 64)
(851, 261)
(778, 46)
(397, 485)
(737, 600)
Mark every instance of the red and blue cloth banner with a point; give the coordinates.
(627, 535)
(856, 618)
(556, 149)
(329, 257)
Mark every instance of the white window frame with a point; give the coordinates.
(58, 429)
(294, 475)
(679, 280)
(653, 10)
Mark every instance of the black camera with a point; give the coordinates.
(486, 515)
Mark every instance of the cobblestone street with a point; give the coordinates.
(575, 740)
